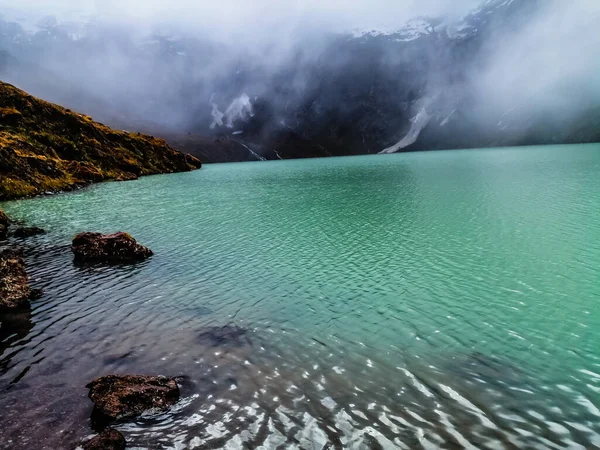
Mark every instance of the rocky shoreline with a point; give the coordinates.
(45, 149)
(116, 398)
(15, 291)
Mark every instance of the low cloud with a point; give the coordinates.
(542, 61)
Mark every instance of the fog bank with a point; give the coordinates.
(352, 77)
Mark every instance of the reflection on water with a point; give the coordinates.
(15, 327)
(436, 300)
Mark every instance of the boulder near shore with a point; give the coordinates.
(116, 247)
(15, 291)
(127, 396)
(14, 282)
(4, 222)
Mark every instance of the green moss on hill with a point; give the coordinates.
(45, 147)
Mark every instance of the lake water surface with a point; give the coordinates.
(425, 300)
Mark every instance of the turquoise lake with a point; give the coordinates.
(422, 300)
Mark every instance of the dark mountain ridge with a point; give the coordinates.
(340, 94)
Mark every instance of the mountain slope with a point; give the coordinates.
(45, 147)
(506, 73)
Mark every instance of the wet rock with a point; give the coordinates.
(4, 220)
(25, 232)
(36, 294)
(109, 439)
(126, 396)
(117, 247)
(14, 282)
(231, 335)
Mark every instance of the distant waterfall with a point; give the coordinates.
(252, 152)
(419, 122)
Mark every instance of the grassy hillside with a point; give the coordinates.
(45, 147)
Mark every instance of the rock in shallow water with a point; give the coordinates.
(126, 396)
(109, 439)
(24, 232)
(4, 220)
(231, 335)
(14, 282)
(117, 247)
(36, 293)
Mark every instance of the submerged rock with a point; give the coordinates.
(109, 439)
(14, 282)
(477, 367)
(231, 335)
(126, 396)
(19, 232)
(108, 247)
(24, 232)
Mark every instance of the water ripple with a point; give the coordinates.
(418, 301)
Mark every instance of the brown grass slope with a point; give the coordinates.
(45, 147)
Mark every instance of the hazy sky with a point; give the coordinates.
(244, 13)
(554, 63)
(247, 16)
(551, 65)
